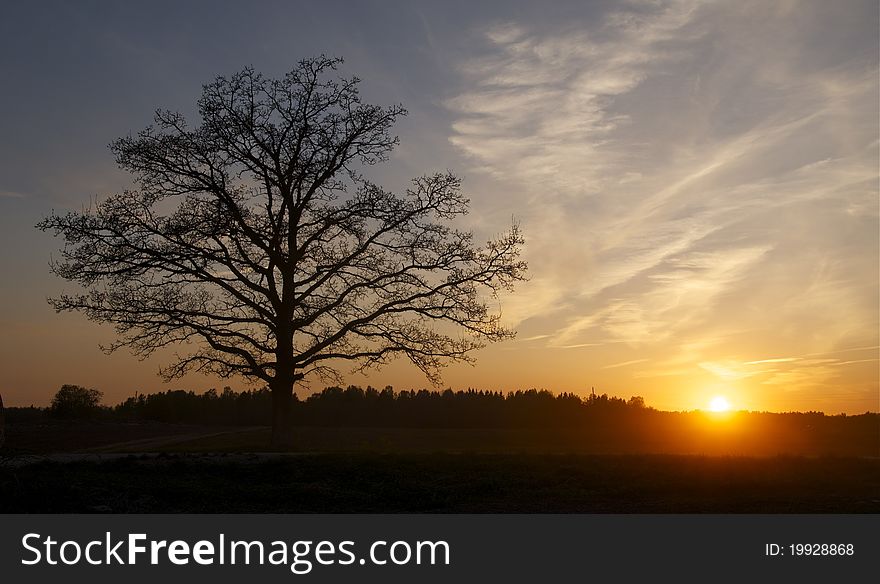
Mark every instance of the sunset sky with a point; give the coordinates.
(697, 182)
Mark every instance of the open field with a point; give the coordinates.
(444, 483)
(687, 434)
(43, 438)
(156, 467)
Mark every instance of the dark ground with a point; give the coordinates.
(443, 483)
(694, 434)
(168, 468)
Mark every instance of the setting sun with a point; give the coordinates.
(719, 404)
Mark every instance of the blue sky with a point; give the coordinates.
(697, 181)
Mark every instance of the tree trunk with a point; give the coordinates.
(282, 423)
(2, 423)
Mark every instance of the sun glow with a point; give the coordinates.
(719, 403)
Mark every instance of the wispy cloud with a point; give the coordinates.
(624, 364)
(575, 346)
(682, 170)
(789, 373)
(533, 338)
(779, 360)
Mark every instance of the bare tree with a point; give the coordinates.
(255, 239)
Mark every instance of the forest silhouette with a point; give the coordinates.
(379, 451)
(475, 420)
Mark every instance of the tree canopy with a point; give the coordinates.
(73, 401)
(255, 239)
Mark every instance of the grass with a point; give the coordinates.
(209, 469)
(445, 483)
(700, 437)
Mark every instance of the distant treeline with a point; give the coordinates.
(335, 406)
(558, 422)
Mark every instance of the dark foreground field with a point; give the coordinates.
(442, 483)
(96, 467)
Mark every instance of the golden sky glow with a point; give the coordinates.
(697, 183)
(719, 403)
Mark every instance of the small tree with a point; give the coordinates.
(637, 402)
(75, 402)
(255, 238)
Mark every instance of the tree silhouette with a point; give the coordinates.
(73, 401)
(255, 237)
(2, 423)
